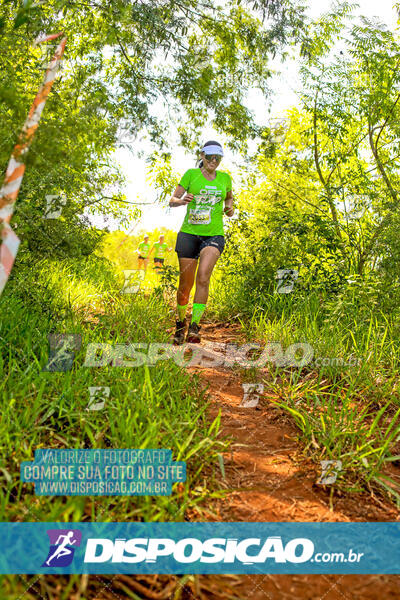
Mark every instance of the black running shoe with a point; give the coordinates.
(193, 336)
(179, 336)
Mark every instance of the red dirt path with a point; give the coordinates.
(269, 479)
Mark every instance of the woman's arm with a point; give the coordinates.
(229, 210)
(177, 199)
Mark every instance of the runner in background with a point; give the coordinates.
(160, 248)
(200, 241)
(143, 253)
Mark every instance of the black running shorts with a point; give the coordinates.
(159, 260)
(189, 245)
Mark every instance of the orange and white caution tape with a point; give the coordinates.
(8, 252)
(16, 166)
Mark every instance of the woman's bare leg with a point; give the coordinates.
(187, 271)
(208, 258)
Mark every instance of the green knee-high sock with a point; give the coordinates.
(181, 310)
(197, 312)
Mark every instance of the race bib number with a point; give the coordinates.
(199, 217)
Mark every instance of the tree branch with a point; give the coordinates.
(321, 176)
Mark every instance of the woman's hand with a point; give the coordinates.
(179, 199)
(228, 211)
(187, 198)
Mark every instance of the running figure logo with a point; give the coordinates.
(61, 551)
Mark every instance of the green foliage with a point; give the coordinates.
(161, 175)
(323, 200)
(120, 60)
(151, 407)
(353, 105)
(326, 203)
(168, 284)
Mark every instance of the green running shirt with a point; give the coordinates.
(204, 212)
(160, 249)
(144, 249)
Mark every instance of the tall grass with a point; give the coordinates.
(346, 401)
(158, 406)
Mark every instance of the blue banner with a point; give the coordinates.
(200, 548)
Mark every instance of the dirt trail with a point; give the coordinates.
(269, 479)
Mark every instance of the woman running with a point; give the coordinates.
(200, 241)
(160, 248)
(143, 253)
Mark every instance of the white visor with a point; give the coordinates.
(213, 150)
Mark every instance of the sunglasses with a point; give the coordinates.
(210, 157)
